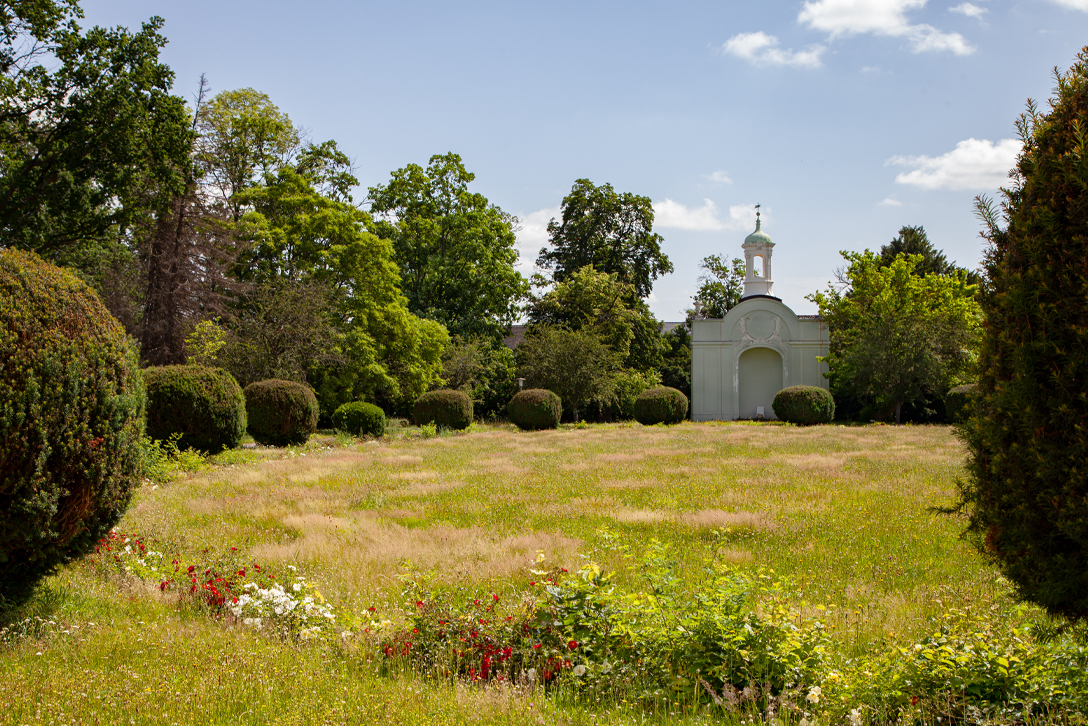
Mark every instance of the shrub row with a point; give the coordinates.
(804, 405)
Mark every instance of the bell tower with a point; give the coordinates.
(757, 263)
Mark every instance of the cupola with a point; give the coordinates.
(757, 262)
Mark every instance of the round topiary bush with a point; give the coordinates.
(661, 405)
(71, 420)
(359, 419)
(957, 400)
(535, 409)
(445, 409)
(280, 413)
(804, 405)
(205, 405)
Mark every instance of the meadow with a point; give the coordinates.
(835, 529)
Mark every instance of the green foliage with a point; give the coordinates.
(676, 366)
(627, 386)
(720, 289)
(205, 405)
(804, 405)
(897, 336)
(71, 420)
(455, 250)
(1027, 485)
(163, 459)
(203, 345)
(280, 413)
(576, 364)
(359, 419)
(660, 405)
(599, 303)
(535, 409)
(444, 408)
(483, 369)
(92, 141)
(300, 235)
(611, 232)
(958, 400)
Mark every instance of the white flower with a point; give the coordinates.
(855, 717)
(579, 670)
(296, 587)
(814, 694)
(606, 668)
(806, 722)
(531, 674)
(254, 622)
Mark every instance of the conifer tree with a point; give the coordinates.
(1027, 485)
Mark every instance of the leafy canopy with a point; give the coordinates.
(609, 231)
(456, 251)
(721, 287)
(896, 335)
(91, 140)
(574, 364)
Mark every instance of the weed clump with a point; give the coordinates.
(661, 405)
(71, 420)
(804, 405)
(535, 409)
(445, 409)
(359, 419)
(204, 405)
(280, 413)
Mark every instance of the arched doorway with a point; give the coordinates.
(759, 378)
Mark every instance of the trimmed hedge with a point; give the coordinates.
(804, 405)
(957, 401)
(205, 405)
(661, 405)
(535, 409)
(359, 419)
(71, 421)
(280, 413)
(445, 409)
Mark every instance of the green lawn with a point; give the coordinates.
(843, 515)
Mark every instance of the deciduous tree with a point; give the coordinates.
(456, 251)
(609, 231)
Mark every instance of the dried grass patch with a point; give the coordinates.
(414, 475)
(717, 518)
(825, 465)
(620, 457)
(638, 516)
(736, 556)
(370, 543)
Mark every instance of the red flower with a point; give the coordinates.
(192, 568)
(419, 603)
(572, 644)
(241, 573)
(914, 700)
(495, 597)
(536, 647)
(531, 582)
(162, 586)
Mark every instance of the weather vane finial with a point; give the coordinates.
(757, 212)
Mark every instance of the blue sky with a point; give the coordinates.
(845, 119)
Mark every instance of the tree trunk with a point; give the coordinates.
(898, 412)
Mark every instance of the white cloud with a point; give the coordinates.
(841, 18)
(707, 218)
(720, 177)
(890, 202)
(532, 237)
(670, 214)
(761, 49)
(973, 164)
(970, 10)
(1073, 4)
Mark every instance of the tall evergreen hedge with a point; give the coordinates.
(205, 405)
(71, 419)
(1027, 435)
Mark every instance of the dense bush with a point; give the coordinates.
(956, 402)
(661, 405)
(535, 409)
(360, 419)
(71, 419)
(445, 409)
(1027, 436)
(205, 405)
(280, 413)
(804, 405)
